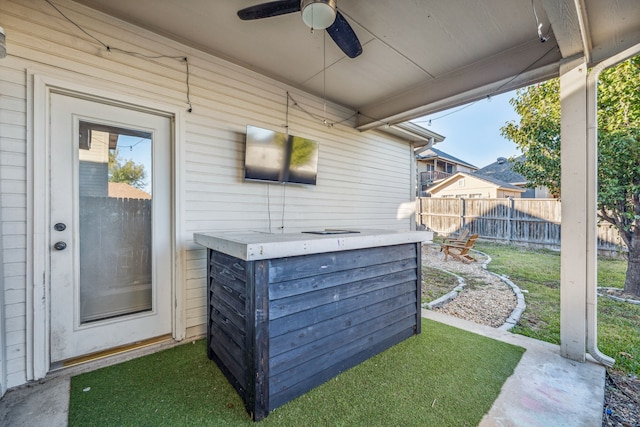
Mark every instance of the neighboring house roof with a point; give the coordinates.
(434, 153)
(502, 170)
(500, 184)
(122, 190)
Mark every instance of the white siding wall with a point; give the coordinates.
(13, 215)
(3, 367)
(363, 178)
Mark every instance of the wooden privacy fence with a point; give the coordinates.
(115, 257)
(524, 221)
(116, 243)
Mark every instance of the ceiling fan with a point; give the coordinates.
(316, 14)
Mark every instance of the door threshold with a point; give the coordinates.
(110, 352)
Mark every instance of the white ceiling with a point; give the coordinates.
(419, 56)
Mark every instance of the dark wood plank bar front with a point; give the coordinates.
(278, 327)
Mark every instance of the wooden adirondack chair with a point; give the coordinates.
(460, 251)
(461, 239)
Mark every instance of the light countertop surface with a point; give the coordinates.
(255, 245)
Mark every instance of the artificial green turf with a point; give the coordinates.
(444, 376)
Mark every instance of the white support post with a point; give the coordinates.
(413, 188)
(576, 204)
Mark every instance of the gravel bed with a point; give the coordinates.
(485, 299)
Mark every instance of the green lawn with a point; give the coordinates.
(436, 283)
(538, 272)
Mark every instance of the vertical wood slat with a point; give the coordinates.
(418, 325)
(257, 307)
(210, 354)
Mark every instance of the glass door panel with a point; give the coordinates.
(115, 221)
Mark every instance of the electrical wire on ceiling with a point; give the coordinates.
(543, 38)
(110, 49)
(322, 120)
(487, 97)
(389, 46)
(324, 78)
(450, 112)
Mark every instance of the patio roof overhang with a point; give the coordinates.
(418, 57)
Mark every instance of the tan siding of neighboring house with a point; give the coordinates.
(363, 178)
(467, 186)
(122, 190)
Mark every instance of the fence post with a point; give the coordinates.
(510, 208)
(462, 213)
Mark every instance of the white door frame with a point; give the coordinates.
(40, 86)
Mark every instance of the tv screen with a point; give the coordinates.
(303, 161)
(277, 157)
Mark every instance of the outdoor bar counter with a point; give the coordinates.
(287, 312)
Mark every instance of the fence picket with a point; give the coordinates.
(533, 222)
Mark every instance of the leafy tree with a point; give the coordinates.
(128, 172)
(538, 136)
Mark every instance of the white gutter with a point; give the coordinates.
(583, 23)
(412, 132)
(592, 218)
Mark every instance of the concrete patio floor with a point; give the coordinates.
(545, 390)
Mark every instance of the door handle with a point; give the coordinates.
(60, 246)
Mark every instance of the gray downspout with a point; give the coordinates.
(592, 146)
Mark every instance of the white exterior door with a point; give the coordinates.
(110, 226)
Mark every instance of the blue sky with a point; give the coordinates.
(139, 150)
(472, 133)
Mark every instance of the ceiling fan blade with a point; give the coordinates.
(344, 36)
(266, 10)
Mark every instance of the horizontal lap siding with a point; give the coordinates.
(363, 177)
(329, 312)
(13, 225)
(351, 192)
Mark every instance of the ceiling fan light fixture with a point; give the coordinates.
(318, 14)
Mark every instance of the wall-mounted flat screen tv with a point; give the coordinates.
(277, 157)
